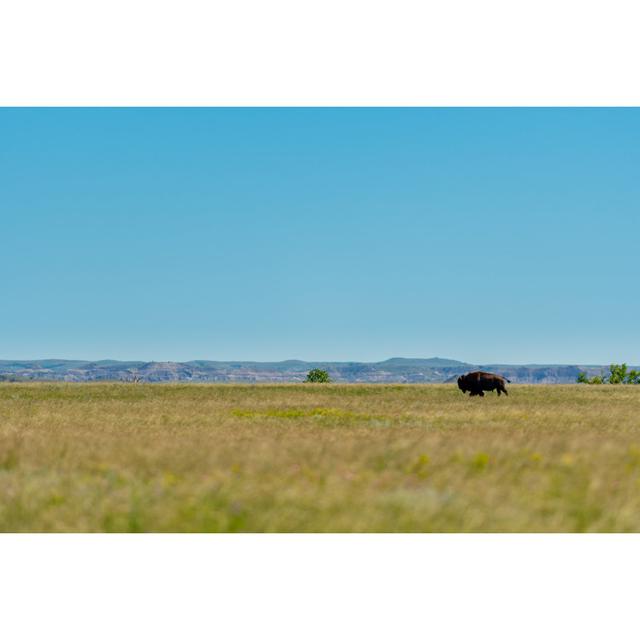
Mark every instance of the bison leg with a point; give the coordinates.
(500, 387)
(481, 393)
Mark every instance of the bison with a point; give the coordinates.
(477, 382)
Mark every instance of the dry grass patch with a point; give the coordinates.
(122, 457)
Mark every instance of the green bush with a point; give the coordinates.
(618, 374)
(633, 377)
(318, 375)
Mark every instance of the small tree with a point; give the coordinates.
(318, 375)
(617, 373)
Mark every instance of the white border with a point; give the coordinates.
(319, 587)
(333, 52)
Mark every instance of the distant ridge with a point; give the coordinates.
(423, 362)
(393, 370)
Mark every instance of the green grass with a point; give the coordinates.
(125, 457)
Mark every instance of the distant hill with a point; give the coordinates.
(393, 370)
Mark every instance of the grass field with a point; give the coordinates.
(318, 458)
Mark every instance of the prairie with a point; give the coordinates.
(109, 457)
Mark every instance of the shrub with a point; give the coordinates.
(618, 374)
(318, 375)
(633, 377)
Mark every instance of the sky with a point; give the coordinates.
(484, 235)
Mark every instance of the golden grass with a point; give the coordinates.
(123, 457)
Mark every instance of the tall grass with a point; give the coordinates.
(122, 457)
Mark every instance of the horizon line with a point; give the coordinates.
(462, 362)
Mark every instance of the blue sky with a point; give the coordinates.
(486, 235)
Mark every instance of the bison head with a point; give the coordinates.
(461, 384)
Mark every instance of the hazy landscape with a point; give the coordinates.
(393, 370)
(205, 457)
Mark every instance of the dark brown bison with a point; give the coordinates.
(477, 382)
